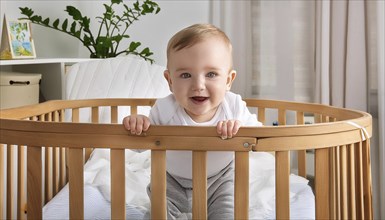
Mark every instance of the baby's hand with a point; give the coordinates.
(228, 128)
(136, 123)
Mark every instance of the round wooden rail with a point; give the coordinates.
(270, 138)
(39, 125)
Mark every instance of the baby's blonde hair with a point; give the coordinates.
(194, 34)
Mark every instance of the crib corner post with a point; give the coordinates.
(34, 183)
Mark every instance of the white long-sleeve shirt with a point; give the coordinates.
(167, 111)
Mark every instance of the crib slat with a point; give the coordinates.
(261, 115)
(134, 109)
(241, 197)
(2, 180)
(95, 120)
(158, 184)
(114, 114)
(63, 167)
(333, 180)
(55, 170)
(75, 115)
(338, 181)
(367, 180)
(344, 184)
(56, 160)
(34, 183)
(301, 153)
(351, 183)
(333, 185)
(21, 173)
(10, 181)
(282, 169)
(322, 177)
(199, 185)
(48, 174)
(62, 158)
(95, 115)
(359, 181)
(118, 189)
(76, 180)
(325, 118)
(281, 116)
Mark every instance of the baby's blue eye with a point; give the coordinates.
(185, 75)
(211, 74)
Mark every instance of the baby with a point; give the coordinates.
(199, 73)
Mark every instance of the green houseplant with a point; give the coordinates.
(112, 29)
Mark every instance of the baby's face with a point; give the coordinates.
(199, 77)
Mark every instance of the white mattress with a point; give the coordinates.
(119, 77)
(97, 189)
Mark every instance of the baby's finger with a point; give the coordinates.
(146, 124)
(237, 125)
(224, 130)
(133, 125)
(230, 125)
(219, 127)
(139, 125)
(126, 123)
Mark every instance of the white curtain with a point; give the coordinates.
(330, 52)
(349, 71)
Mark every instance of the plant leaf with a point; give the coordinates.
(86, 24)
(56, 23)
(145, 51)
(74, 12)
(64, 25)
(134, 45)
(35, 18)
(73, 27)
(26, 11)
(116, 1)
(136, 6)
(107, 7)
(86, 41)
(117, 38)
(46, 21)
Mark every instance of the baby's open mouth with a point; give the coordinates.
(199, 98)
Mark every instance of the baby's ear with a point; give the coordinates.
(230, 79)
(167, 76)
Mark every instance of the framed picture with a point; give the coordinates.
(17, 42)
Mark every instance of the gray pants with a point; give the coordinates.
(220, 196)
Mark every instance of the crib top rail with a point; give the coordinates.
(336, 136)
(348, 129)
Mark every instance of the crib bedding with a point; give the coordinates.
(97, 189)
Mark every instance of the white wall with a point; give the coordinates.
(152, 30)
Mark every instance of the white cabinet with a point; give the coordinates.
(52, 70)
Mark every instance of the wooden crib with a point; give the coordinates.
(339, 138)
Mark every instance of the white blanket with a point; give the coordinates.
(97, 189)
(262, 180)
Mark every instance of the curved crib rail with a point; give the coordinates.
(340, 139)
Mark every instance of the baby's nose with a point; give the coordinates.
(198, 84)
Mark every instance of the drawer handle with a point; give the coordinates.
(19, 82)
